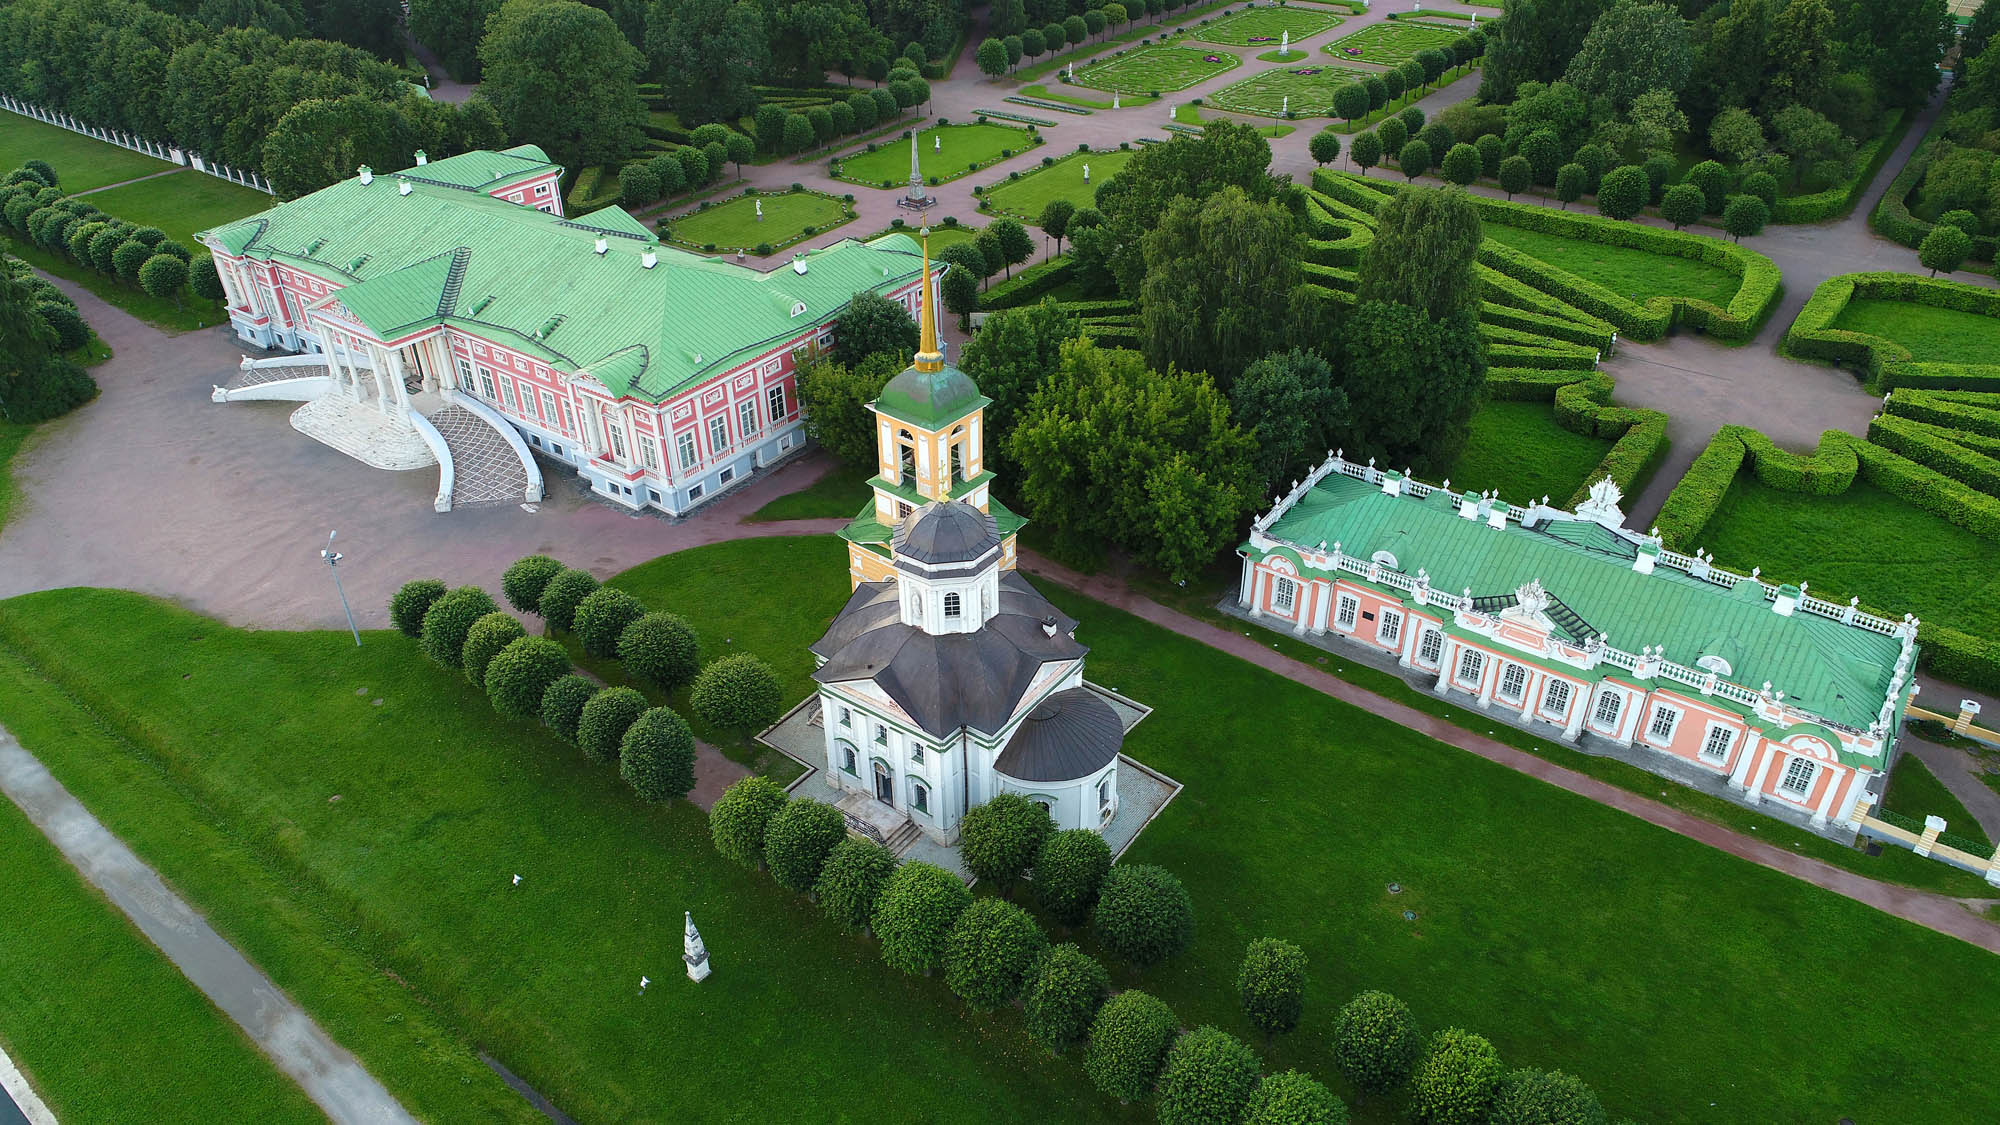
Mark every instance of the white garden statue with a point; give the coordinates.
(1086, 171)
(694, 952)
(1284, 43)
(759, 204)
(1114, 99)
(937, 144)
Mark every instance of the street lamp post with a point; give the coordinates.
(333, 558)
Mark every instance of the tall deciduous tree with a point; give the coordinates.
(1426, 244)
(562, 76)
(1896, 42)
(1631, 49)
(1294, 408)
(453, 28)
(1134, 201)
(1008, 358)
(1534, 42)
(1412, 383)
(708, 54)
(1219, 276)
(1801, 55)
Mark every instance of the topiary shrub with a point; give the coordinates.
(562, 595)
(1128, 1044)
(1272, 984)
(1294, 1098)
(562, 705)
(661, 649)
(523, 582)
(449, 619)
(601, 618)
(1143, 915)
(1376, 1042)
(411, 602)
(797, 841)
(1068, 873)
(484, 641)
(1208, 1078)
(914, 916)
(520, 674)
(851, 881)
(1062, 993)
(600, 730)
(1456, 1080)
(656, 756)
(1545, 1097)
(989, 951)
(1000, 838)
(738, 692)
(741, 817)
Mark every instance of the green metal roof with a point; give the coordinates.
(931, 399)
(868, 531)
(1837, 671)
(532, 281)
(475, 170)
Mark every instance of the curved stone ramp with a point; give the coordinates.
(290, 379)
(484, 465)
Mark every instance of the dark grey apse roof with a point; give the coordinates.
(949, 532)
(1070, 735)
(953, 680)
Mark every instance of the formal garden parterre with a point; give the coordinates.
(1157, 69)
(1265, 27)
(944, 152)
(737, 224)
(1391, 44)
(1026, 197)
(1305, 89)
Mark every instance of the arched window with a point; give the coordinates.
(951, 605)
(848, 761)
(920, 797)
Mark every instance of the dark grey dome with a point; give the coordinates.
(949, 532)
(1070, 735)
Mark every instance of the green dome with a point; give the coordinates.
(930, 398)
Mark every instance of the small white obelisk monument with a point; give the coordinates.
(694, 952)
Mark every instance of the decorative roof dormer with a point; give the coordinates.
(947, 563)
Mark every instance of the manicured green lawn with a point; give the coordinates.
(837, 495)
(105, 1026)
(735, 226)
(1932, 334)
(13, 437)
(941, 236)
(159, 312)
(1026, 197)
(1895, 557)
(1156, 69)
(183, 203)
(1916, 792)
(1265, 26)
(944, 152)
(1517, 448)
(1637, 274)
(81, 163)
(1391, 44)
(1309, 85)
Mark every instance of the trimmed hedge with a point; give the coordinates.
(1841, 198)
(1580, 407)
(1892, 219)
(1934, 447)
(1880, 361)
(1028, 286)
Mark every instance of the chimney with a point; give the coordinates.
(1392, 483)
(422, 159)
(367, 175)
(1496, 516)
(402, 186)
(647, 258)
(1787, 601)
(1049, 626)
(1468, 505)
(603, 244)
(1649, 553)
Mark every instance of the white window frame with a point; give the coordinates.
(881, 734)
(548, 407)
(568, 419)
(1549, 703)
(1477, 659)
(1709, 748)
(684, 443)
(718, 433)
(1508, 670)
(775, 398)
(649, 453)
(616, 433)
(1284, 594)
(1608, 701)
(695, 493)
(847, 717)
(541, 189)
(1805, 771)
(1430, 647)
(746, 417)
(953, 606)
(464, 372)
(1663, 715)
(916, 755)
(1389, 627)
(850, 761)
(1347, 611)
(486, 384)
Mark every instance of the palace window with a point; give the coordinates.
(718, 433)
(1470, 663)
(695, 493)
(568, 420)
(617, 440)
(486, 384)
(1556, 702)
(685, 445)
(648, 453)
(1718, 743)
(920, 797)
(1661, 729)
(1799, 776)
(1391, 628)
(777, 402)
(507, 394)
(465, 374)
(1513, 683)
(1348, 609)
(951, 605)
(1282, 595)
(746, 417)
(541, 189)
(1430, 648)
(1607, 709)
(726, 475)
(548, 408)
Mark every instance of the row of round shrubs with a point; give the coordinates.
(32, 204)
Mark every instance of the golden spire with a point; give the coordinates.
(929, 358)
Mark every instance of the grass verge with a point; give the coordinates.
(1518, 449)
(1915, 791)
(837, 495)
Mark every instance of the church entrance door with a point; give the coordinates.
(885, 786)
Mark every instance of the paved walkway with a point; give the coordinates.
(122, 183)
(1960, 773)
(329, 1075)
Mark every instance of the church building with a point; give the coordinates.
(1570, 624)
(947, 679)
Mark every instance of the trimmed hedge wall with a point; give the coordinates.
(1892, 219)
(1882, 362)
(1028, 286)
(1934, 447)
(1580, 407)
(1839, 200)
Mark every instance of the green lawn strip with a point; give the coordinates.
(1265, 25)
(13, 439)
(181, 204)
(234, 862)
(1391, 44)
(1518, 449)
(1635, 274)
(837, 495)
(159, 312)
(81, 162)
(941, 237)
(1152, 29)
(1933, 335)
(1026, 197)
(1157, 69)
(965, 149)
(1265, 93)
(442, 802)
(1916, 792)
(101, 1021)
(734, 225)
(1939, 571)
(1045, 94)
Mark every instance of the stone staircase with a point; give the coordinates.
(484, 467)
(900, 840)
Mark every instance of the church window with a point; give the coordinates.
(1556, 701)
(1513, 683)
(951, 605)
(1799, 776)
(917, 756)
(882, 736)
(1391, 628)
(1471, 662)
(1718, 743)
(777, 402)
(846, 717)
(746, 417)
(920, 797)
(617, 433)
(1282, 595)
(847, 761)
(1431, 647)
(903, 510)
(1661, 729)
(1348, 608)
(718, 434)
(685, 445)
(1607, 709)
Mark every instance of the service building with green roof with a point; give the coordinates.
(1570, 624)
(664, 377)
